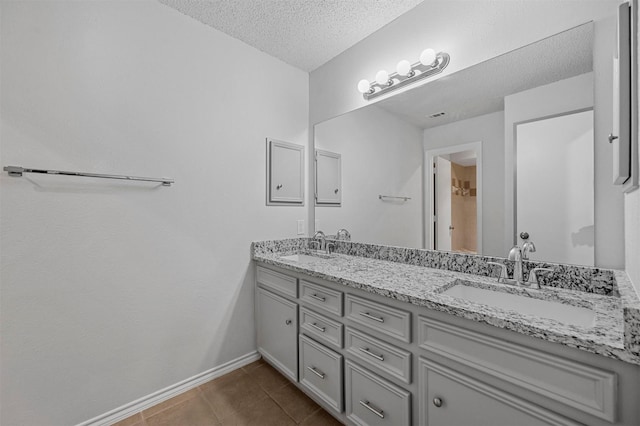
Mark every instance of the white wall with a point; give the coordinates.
(489, 129)
(564, 96)
(113, 290)
(381, 154)
(470, 31)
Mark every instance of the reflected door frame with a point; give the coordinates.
(429, 156)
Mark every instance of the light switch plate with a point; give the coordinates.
(300, 227)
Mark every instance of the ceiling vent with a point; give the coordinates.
(437, 114)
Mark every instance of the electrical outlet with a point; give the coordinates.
(300, 227)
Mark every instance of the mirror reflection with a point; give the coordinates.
(468, 162)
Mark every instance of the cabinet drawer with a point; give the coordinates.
(276, 281)
(321, 372)
(371, 400)
(321, 297)
(448, 397)
(575, 385)
(321, 328)
(379, 355)
(385, 319)
(276, 324)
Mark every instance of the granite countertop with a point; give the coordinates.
(424, 286)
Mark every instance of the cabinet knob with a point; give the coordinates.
(437, 402)
(288, 322)
(335, 191)
(612, 138)
(278, 187)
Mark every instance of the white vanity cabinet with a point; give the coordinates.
(277, 320)
(373, 360)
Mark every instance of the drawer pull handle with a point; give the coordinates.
(371, 354)
(368, 315)
(317, 327)
(320, 298)
(288, 322)
(437, 402)
(316, 372)
(378, 413)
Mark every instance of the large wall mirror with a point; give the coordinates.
(450, 165)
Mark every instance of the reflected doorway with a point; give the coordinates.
(454, 199)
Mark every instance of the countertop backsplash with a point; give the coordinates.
(571, 277)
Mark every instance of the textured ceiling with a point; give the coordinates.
(302, 33)
(481, 89)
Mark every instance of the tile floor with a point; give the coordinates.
(254, 395)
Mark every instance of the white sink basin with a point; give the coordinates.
(303, 258)
(561, 312)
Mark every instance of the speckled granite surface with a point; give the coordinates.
(420, 278)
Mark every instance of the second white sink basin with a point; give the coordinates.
(304, 258)
(561, 312)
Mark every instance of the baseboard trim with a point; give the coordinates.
(150, 400)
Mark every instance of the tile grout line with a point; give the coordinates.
(282, 408)
(312, 413)
(206, 401)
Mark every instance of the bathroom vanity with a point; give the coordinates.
(380, 342)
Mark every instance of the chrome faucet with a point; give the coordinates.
(320, 239)
(343, 234)
(515, 254)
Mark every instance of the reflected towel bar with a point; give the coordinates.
(383, 197)
(18, 171)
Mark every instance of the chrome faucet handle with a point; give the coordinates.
(528, 247)
(503, 271)
(533, 276)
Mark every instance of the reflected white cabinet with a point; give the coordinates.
(328, 178)
(285, 173)
(277, 329)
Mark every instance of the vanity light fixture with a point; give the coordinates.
(430, 63)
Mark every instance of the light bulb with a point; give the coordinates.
(363, 86)
(403, 68)
(428, 57)
(382, 77)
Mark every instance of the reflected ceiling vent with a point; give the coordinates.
(437, 114)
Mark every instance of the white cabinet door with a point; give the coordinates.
(277, 328)
(321, 372)
(448, 397)
(285, 173)
(374, 401)
(328, 178)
